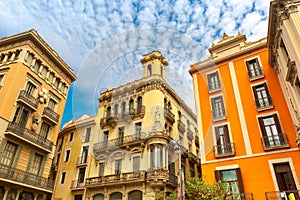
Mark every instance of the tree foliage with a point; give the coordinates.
(197, 189)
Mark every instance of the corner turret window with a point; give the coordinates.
(149, 70)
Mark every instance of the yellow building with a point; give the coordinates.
(140, 128)
(246, 132)
(34, 83)
(284, 53)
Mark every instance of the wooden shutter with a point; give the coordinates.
(240, 180)
(218, 175)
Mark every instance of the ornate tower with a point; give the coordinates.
(154, 64)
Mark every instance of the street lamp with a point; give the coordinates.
(176, 145)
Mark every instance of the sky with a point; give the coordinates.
(104, 40)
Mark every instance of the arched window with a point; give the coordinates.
(98, 197)
(123, 108)
(131, 106)
(116, 196)
(135, 194)
(139, 104)
(149, 70)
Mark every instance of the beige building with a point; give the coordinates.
(284, 56)
(133, 152)
(34, 84)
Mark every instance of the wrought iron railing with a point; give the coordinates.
(116, 178)
(275, 141)
(28, 98)
(169, 115)
(224, 150)
(29, 135)
(119, 141)
(219, 114)
(51, 114)
(263, 103)
(256, 73)
(108, 121)
(19, 176)
(283, 195)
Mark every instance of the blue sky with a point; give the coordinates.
(104, 40)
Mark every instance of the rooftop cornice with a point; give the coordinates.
(32, 35)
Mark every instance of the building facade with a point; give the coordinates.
(284, 56)
(34, 83)
(141, 127)
(247, 136)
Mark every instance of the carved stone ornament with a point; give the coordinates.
(292, 72)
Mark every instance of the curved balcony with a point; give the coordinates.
(77, 185)
(108, 122)
(15, 130)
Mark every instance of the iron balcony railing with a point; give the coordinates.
(264, 103)
(108, 121)
(181, 126)
(140, 111)
(76, 184)
(275, 141)
(19, 176)
(116, 178)
(169, 115)
(52, 115)
(224, 150)
(119, 141)
(283, 195)
(214, 86)
(219, 114)
(29, 135)
(28, 99)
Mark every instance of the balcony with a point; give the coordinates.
(190, 134)
(193, 158)
(77, 185)
(264, 103)
(51, 115)
(283, 195)
(81, 161)
(275, 142)
(114, 179)
(219, 114)
(140, 112)
(28, 99)
(125, 142)
(22, 178)
(255, 74)
(24, 134)
(157, 178)
(169, 115)
(108, 122)
(224, 150)
(181, 126)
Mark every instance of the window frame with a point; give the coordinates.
(228, 136)
(259, 73)
(218, 87)
(67, 155)
(267, 101)
(221, 111)
(63, 177)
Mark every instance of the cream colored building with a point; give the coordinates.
(132, 155)
(284, 52)
(34, 83)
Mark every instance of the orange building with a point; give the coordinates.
(34, 84)
(247, 137)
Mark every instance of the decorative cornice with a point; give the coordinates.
(154, 55)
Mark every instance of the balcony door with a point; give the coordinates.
(223, 140)
(21, 116)
(284, 177)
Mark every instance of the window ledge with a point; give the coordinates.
(265, 108)
(256, 77)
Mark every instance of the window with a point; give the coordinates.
(131, 106)
(152, 156)
(160, 156)
(21, 116)
(78, 197)
(67, 155)
(105, 139)
(139, 104)
(123, 109)
(272, 135)
(121, 135)
(101, 168)
(136, 163)
(84, 154)
(118, 165)
(71, 135)
(136, 195)
(116, 110)
(45, 129)
(284, 176)
(213, 81)
(233, 178)
(108, 112)
(138, 127)
(87, 134)
(51, 104)
(63, 177)
(262, 96)
(30, 88)
(36, 164)
(81, 175)
(8, 154)
(284, 50)
(218, 108)
(254, 69)
(224, 147)
(116, 196)
(98, 197)
(149, 70)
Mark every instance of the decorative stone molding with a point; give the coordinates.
(291, 73)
